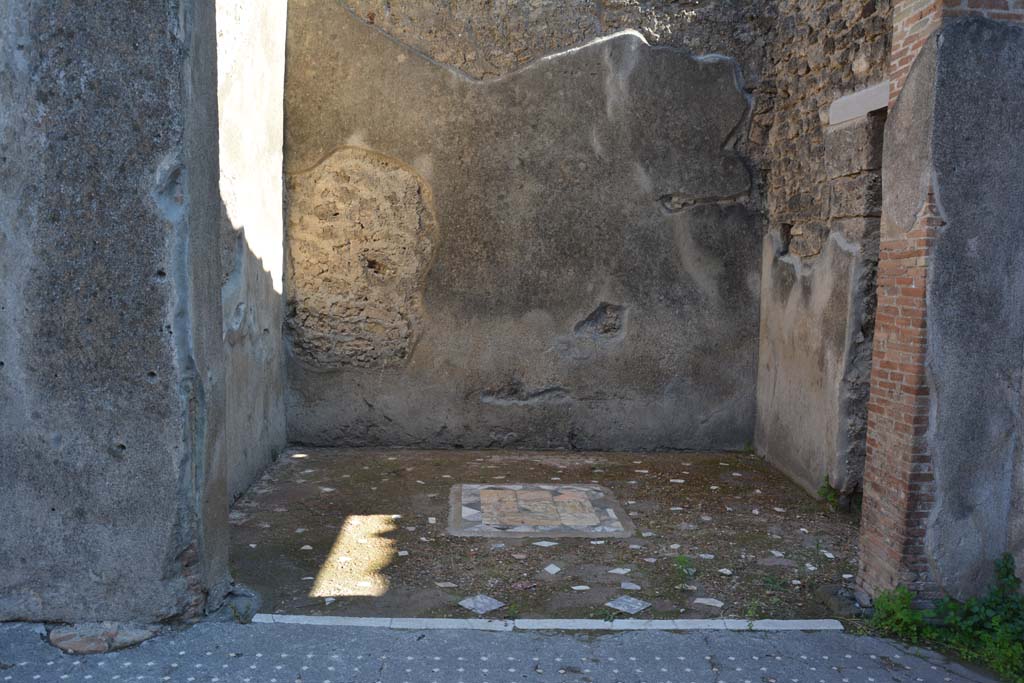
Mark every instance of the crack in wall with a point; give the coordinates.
(516, 394)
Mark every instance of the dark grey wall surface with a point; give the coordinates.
(975, 356)
(493, 263)
(110, 345)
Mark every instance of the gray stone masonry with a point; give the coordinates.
(498, 263)
(112, 494)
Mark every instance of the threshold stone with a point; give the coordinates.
(99, 637)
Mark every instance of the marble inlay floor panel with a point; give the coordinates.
(522, 510)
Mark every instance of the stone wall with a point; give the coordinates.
(112, 491)
(487, 39)
(819, 52)
(795, 59)
(558, 257)
(250, 65)
(514, 253)
(823, 203)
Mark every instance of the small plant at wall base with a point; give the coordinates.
(988, 630)
(829, 494)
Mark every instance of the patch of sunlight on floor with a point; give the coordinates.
(353, 567)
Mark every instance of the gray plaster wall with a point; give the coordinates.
(817, 322)
(975, 354)
(250, 65)
(815, 361)
(112, 481)
(555, 258)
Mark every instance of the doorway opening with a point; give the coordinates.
(519, 330)
(386, 533)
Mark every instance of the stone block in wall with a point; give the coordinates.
(863, 229)
(806, 239)
(854, 146)
(793, 202)
(859, 195)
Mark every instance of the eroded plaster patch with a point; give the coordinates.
(362, 232)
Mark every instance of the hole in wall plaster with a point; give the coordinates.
(376, 266)
(170, 190)
(238, 316)
(606, 321)
(785, 238)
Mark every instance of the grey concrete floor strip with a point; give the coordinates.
(286, 652)
(558, 624)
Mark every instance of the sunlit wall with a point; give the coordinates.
(250, 69)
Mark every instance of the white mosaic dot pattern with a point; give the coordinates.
(276, 653)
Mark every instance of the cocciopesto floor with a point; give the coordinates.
(514, 534)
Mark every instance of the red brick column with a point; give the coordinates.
(898, 478)
(897, 475)
(912, 22)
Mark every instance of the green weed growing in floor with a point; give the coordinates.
(755, 610)
(774, 583)
(988, 630)
(684, 566)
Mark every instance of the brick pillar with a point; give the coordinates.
(900, 489)
(897, 469)
(912, 22)
(898, 476)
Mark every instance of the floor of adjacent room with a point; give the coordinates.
(366, 533)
